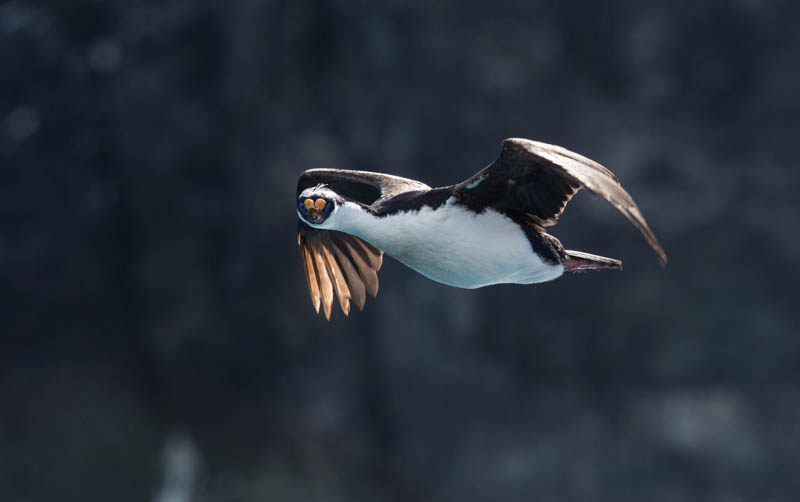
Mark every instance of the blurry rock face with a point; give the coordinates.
(150, 283)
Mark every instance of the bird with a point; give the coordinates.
(488, 229)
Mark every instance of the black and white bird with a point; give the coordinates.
(488, 229)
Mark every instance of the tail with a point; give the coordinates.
(578, 261)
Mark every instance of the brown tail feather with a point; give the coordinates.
(578, 261)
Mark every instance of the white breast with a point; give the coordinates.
(451, 244)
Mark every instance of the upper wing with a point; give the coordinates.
(539, 179)
(361, 186)
(340, 263)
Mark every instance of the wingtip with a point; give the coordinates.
(328, 307)
(662, 255)
(579, 261)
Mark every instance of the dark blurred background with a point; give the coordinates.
(158, 342)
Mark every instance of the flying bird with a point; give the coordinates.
(488, 229)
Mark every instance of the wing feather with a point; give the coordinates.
(361, 260)
(311, 273)
(339, 282)
(371, 254)
(338, 264)
(325, 284)
(352, 277)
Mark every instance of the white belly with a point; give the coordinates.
(457, 247)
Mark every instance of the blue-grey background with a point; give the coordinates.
(157, 341)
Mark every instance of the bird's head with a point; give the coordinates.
(317, 204)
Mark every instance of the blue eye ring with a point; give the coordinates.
(301, 207)
(327, 207)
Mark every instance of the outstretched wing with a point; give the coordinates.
(539, 179)
(337, 262)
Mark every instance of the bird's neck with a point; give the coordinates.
(360, 221)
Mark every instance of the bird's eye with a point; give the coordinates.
(327, 207)
(301, 207)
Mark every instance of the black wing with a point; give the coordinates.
(539, 179)
(362, 186)
(337, 262)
